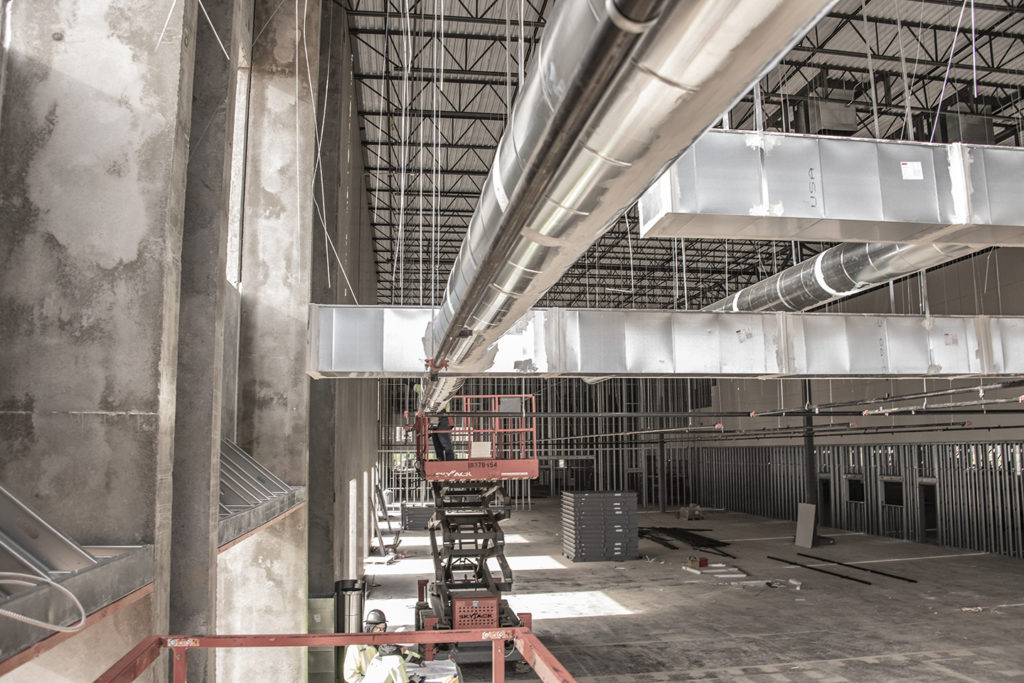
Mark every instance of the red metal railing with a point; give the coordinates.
(547, 667)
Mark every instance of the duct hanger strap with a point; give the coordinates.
(435, 367)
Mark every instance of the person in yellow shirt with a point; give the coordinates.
(358, 657)
(388, 666)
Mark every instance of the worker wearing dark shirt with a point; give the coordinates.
(442, 439)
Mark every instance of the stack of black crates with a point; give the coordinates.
(416, 515)
(599, 525)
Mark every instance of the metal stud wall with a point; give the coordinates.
(967, 495)
(587, 433)
(605, 436)
(762, 481)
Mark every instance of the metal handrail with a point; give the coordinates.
(138, 659)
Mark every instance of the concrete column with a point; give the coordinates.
(276, 237)
(94, 133)
(195, 510)
(343, 273)
(356, 449)
(267, 589)
(325, 289)
(350, 465)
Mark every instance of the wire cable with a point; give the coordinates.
(19, 579)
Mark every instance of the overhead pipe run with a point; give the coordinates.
(979, 389)
(836, 273)
(617, 90)
(899, 207)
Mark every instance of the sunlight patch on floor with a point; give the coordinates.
(424, 566)
(567, 605)
(424, 540)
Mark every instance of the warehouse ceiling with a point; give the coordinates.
(437, 79)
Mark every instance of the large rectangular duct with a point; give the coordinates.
(747, 185)
(379, 341)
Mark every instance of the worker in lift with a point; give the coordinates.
(441, 436)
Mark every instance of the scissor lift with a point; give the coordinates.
(495, 440)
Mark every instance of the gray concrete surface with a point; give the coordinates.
(342, 429)
(95, 140)
(650, 620)
(197, 429)
(273, 389)
(261, 588)
(333, 44)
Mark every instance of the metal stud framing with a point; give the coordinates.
(973, 493)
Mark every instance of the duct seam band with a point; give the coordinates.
(960, 180)
(605, 157)
(624, 22)
(499, 188)
(819, 276)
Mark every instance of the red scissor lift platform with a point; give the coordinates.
(494, 439)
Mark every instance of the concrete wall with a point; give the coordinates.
(91, 652)
(276, 241)
(343, 421)
(99, 191)
(94, 134)
(262, 589)
(203, 303)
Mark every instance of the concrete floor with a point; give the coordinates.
(650, 620)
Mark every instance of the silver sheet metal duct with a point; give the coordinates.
(559, 342)
(617, 90)
(838, 272)
(940, 201)
(749, 185)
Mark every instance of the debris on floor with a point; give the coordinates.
(690, 513)
(695, 562)
(769, 583)
(666, 535)
(716, 569)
